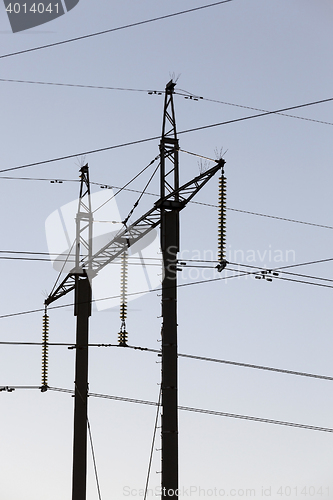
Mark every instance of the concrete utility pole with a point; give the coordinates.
(170, 246)
(78, 280)
(82, 313)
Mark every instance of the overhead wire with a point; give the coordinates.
(141, 195)
(126, 26)
(258, 115)
(196, 410)
(78, 85)
(160, 92)
(140, 141)
(280, 270)
(31, 311)
(180, 355)
(103, 185)
(128, 183)
(196, 97)
(181, 285)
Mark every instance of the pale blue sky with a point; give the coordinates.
(262, 54)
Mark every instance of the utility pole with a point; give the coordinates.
(170, 246)
(82, 311)
(79, 281)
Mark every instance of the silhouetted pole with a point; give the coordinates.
(169, 245)
(82, 313)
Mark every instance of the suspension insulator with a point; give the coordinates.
(222, 209)
(122, 338)
(45, 349)
(122, 335)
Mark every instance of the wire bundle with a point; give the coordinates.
(45, 351)
(122, 335)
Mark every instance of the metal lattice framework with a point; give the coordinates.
(169, 146)
(133, 233)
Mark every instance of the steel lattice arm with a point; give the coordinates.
(133, 233)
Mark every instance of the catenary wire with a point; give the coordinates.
(239, 275)
(159, 92)
(154, 194)
(258, 115)
(126, 26)
(280, 270)
(180, 355)
(196, 97)
(140, 141)
(191, 409)
(158, 263)
(77, 85)
(31, 311)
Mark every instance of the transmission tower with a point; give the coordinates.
(173, 198)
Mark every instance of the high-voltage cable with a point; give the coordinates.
(126, 26)
(45, 351)
(122, 335)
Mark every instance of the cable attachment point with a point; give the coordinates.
(45, 351)
(122, 335)
(222, 206)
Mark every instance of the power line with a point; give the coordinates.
(157, 290)
(196, 97)
(278, 277)
(261, 268)
(78, 85)
(266, 113)
(154, 194)
(60, 158)
(129, 182)
(117, 296)
(241, 274)
(272, 217)
(140, 141)
(126, 26)
(159, 92)
(192, 409)
(281, 271)
(188, 95)
(180, 355)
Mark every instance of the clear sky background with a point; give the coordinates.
(261, 54)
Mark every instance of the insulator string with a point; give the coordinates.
(222, 211)
(45, 351)
(122, 336)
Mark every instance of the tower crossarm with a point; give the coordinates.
(128, 236)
